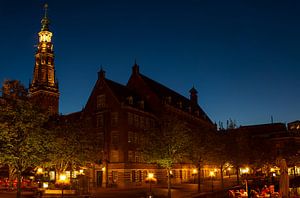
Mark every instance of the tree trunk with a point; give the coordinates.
(169, 184)
(222, 179)
(11, 173)
(18, 184)
(199, 183)
(238, 175)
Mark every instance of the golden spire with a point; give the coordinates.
(45, 21)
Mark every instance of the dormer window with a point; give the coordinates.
(142, 104)
(180, 104)
(130, 100)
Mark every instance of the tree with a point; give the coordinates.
(201, 148)
(72, 147)
(167, 144)
(220, 154)
(238, 149)
(23, 138)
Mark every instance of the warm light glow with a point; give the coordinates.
(211, 173)
(194, 171)
(150, 175)
(45, 185)
(45, 36)
(229, 168)
(274, 174)
(215, 170)
(81, 171)
(103, 168)
(272, 169)
(62, 177)
(245, 170)
(171, 172)
(39, 171)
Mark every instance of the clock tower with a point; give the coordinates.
(43, 88)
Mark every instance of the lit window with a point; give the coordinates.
(130, 137)
(115, 176)
(45, 36)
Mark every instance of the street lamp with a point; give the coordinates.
(194, 174)
(212, 175)
(63, 180)
(150, 178)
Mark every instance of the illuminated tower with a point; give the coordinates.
(44, 87)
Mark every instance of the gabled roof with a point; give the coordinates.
(162, 92)
(119, 90)
(122, 93)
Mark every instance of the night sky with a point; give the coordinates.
(242, 56)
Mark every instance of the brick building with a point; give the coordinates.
(121, 114)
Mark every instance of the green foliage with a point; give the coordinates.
(73, 147)
(23, 137)
(168, 143)
(202, 145)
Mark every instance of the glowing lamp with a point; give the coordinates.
(45, 185)
(150, 176)
(39, 171)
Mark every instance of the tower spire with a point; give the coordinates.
(44, 86)
(46, 10)
(45, 21)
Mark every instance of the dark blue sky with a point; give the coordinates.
(242, 56)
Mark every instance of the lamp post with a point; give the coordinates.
(212, 174)
(229, 171)
(150, 177)
(62, 180)
(194, 174)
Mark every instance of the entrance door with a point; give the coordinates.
(99, 178)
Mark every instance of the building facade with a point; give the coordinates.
(120, 115)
